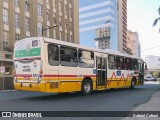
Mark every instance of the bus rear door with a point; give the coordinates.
(101, 72)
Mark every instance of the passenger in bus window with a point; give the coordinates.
(80, 56)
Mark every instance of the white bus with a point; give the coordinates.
(49, 65)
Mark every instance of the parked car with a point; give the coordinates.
(150, 78)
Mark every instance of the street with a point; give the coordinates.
(109, 100)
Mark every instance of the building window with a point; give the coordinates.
(5, 15)
(54, 18)
(60, 6)
(60, 21)
(54, 33)
(70, 38)
(16, 2)
(27, 6)
(8, 71)
(66, 23)
(5, 38)
(65, 9)
(39, 9)
(5, 0)
(17, 20)
(27, 23)
(48, 15)
(70, 25)
(54, 3)
(47, 1)
(8, 56)
(17, 37)
(65, 37)
(48, 31)
(39, 28)
(60, 35)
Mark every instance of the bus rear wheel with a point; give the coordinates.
(86, 87)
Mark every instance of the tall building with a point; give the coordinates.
(98, 23)
(103, 38)
(153, 62)
(133, 43)
(24, 18)
(122, 25)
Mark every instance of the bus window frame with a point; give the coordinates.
(68, 61)
(58, 61)
(131, 62)
(119, 64)
(113, 66)
(86, 59)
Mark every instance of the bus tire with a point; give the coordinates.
(132, 84)
(87, 87)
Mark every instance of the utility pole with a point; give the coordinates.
(48, 28)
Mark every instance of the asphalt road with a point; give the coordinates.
(109, 100)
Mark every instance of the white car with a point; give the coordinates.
(149, 78)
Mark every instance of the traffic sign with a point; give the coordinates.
(2, 69)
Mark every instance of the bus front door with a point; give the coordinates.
(101, 72)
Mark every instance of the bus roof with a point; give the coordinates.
(107, 51)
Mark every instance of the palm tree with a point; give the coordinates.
(156, 20)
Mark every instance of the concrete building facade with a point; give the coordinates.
(133, 44)
(122, 25)
(26, 18)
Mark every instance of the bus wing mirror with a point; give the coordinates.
(145, 67)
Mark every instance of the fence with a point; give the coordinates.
(6, 83)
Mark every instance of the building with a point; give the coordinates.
(122, 25)
(98, 19)
(153, 62)
(103, 38)
(133, 43)
(24, 18)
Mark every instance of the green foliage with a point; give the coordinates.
(155, 73)
(157, 19)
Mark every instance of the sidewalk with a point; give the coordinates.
(153, 104)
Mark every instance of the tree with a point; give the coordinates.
(156, 20)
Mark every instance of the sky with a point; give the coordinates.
(141, 15)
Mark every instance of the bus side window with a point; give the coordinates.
(120, 63)
(53, 54)
(86, 59)
(129, 65)
(135, 64)
(68, 56)
(111, 62)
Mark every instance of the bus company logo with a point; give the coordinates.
(6, 114)
(27, 48)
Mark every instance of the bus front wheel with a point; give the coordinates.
(86, 87)
(132, 84)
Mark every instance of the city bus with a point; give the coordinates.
(54, 66)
